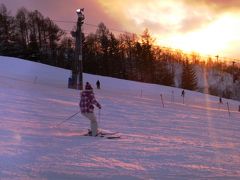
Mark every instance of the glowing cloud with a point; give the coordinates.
(214, 39)
(207, 27)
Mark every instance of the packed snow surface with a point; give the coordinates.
(161, 138)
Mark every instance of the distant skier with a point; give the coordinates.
(98, 84)
(220, 100)
(183, 93)
(86, 104)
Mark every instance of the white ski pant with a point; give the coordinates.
(93, 121)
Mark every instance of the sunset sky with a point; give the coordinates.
(210, 27)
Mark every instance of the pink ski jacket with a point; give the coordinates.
(87, 101)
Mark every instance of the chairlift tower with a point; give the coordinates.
(77, 69)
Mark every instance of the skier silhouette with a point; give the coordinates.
(183, 93)
(98, 84)
(220, 100)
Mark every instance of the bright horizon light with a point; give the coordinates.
(214, 39)
(205, 27)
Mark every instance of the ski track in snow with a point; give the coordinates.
(195, 140)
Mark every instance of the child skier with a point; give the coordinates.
(86, 104)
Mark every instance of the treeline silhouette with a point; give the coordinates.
(32, 36)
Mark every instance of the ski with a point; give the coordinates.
(110, 136)
(113, 137)
(107, 135)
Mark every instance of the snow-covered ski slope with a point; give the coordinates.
(195, 140)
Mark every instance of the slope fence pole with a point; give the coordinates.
(162, 100)
(172, 97)
(228, 109)
(99, 117)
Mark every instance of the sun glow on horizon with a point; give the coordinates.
(214, 39)
(190, 27)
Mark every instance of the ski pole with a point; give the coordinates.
(68, 118)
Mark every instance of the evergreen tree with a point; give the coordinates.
(127, 48)
(164, 70)
(21, 31)
(103, 37)
(91, 52)
(6, 31)
(33, 48)
(114, 56)
(189, 78)
(65, 53)
(147, 56)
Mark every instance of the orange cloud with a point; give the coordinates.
(159, 16)
(205, 26)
